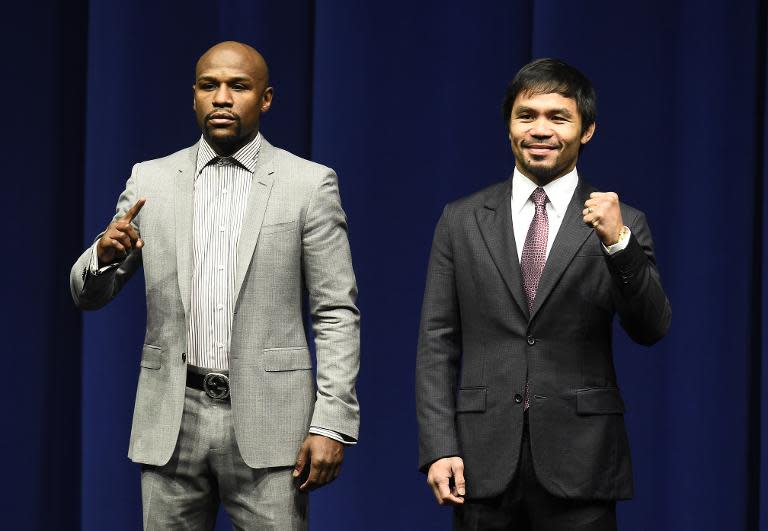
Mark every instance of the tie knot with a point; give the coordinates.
(539, 197)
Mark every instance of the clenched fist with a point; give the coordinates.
(120, 237)
(602, 212)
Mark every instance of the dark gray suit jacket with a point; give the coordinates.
(477, 343)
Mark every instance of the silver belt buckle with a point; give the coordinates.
(216, 385)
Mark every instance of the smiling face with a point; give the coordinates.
(545, 132)
(230, 93)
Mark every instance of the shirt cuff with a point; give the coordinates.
(619, 245)
(336, 436)
(94, 267)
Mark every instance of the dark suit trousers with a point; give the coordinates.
(526, 506)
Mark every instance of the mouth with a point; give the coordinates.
(539, 149)
(221, 118)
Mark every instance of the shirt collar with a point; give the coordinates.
(246, 156)
(559, 192)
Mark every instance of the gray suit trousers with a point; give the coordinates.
(206, 468)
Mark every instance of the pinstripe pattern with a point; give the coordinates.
(222, 186)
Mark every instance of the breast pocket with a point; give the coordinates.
(274, 228)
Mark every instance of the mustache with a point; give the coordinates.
(220, 113)
(526, 143)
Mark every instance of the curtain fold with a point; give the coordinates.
(403, 100)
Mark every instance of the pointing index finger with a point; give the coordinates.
(134, 210)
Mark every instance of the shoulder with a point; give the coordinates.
(296, 169)
(180, 158)
(490, 196)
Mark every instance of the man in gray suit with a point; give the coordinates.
(234, 235)
(520, 417)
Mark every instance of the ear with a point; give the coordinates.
(266, 99)
(194, 103)
(587, 136)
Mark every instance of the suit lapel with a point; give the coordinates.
(261, 187)
(183, 208)
(495, 222)
(569, 239)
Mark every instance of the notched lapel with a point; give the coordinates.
(263, 180)
(571, 236)
(495, 222)
(183, 209)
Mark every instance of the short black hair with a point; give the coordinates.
(547, 75)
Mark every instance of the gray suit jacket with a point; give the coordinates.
(293, 248)
(478, 345)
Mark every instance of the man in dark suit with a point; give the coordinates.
(520, 417)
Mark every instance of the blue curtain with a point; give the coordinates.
(402, 99)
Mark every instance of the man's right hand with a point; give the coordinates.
(439, 477)
(120, 237)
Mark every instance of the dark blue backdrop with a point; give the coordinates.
(402, 99)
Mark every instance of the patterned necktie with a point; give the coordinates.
(534, 256)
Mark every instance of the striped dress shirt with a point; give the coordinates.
(221, 189)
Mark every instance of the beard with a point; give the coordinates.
(543, 173)
(224, 140)
(224, 135)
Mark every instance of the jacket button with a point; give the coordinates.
(184, 357)
(518, 398)
(531, 340)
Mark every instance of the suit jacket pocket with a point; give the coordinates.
(471, 399)
(287, 359)
(599, 401)
(151, 357)
(279, 227)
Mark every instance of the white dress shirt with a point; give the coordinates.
(559, 192)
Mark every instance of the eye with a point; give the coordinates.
(525, 117)
(207, 86)
(239, 87)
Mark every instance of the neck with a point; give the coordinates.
(544, 178)
(226, 149)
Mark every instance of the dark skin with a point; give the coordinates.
(231, 91)
(120, 238)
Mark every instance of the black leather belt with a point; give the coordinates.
(215, 384)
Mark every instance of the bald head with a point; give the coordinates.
(235, 53)
(231, 92)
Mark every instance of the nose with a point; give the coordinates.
(540, 128)
(222, 97)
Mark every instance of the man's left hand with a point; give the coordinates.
(602, 212)
(323, 456)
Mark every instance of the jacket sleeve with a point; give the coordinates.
(642, 305)
(332, 290)
(439, 353)
(90, 290)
